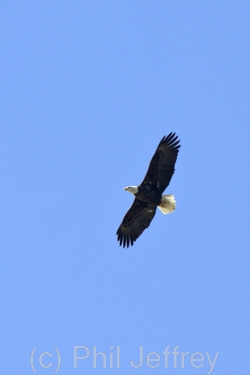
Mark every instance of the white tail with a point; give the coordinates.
(167, 204)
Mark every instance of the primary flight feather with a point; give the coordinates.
(148, 195)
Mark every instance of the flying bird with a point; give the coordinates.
(148, 195)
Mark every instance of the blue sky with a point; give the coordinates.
(88, 89)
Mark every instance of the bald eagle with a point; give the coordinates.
(148, 195)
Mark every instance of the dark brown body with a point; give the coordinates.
(149, 194)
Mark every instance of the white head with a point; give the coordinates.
(131, 189)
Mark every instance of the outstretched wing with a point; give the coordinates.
(161, 167)
(138, 218)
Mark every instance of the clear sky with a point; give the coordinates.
(88, 89)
